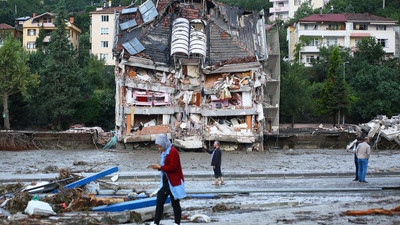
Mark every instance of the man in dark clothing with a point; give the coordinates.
(216, 158)
(359, 140)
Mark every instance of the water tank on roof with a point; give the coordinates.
(180, 36)
(198, 43)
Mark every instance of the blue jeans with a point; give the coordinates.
(362, 169)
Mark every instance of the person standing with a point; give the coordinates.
(216, 158)
(363, 152)
(359, 140)
(172, 180)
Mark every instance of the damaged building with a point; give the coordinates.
(197, 71)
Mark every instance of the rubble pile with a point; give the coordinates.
(49, 202)
(382, 127)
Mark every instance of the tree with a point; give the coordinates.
(295, 91)
(60, 81)
(14, 74)
(368, 49)
(378, 89)
(335, 93)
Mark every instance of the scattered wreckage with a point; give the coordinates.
(69, 195)
(198, 72)
(382, 131)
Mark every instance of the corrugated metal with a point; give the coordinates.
(198, 43)
(180, 36)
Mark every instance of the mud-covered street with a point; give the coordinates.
(312, 186)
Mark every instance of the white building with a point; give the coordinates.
(102, 32)
(344, 30)
(285, 9)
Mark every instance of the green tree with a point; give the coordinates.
(335, 93)
(14, 74)
(369, 50)
(378, 89)
(295, 92)
(60, 81)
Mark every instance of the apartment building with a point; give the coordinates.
(32, 26)
(344, 30)
(285, 9)
(103, 32)
(197, 71)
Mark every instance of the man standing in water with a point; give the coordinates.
(216, 158)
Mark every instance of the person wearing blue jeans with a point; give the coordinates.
(363, 152)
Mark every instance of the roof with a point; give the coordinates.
(367, 17)
(230, 35)
(325, 18)
(109, 10)
(41, 15)
(4, 26)
(344, 18)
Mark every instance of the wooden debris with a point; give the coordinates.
(376, 211)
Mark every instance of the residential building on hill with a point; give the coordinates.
(6, 29)
(344, 30)
(285, 9)
(32, 26)
(103, 32)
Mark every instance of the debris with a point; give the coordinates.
(378, 211)
(220, 208)
(18, 202)
(200, 218)
(4, 213)
(383, 127)
(114, 178)
(87, 180)
(39, 208)
(129, 205)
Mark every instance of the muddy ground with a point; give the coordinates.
(136, 161)
(263, 207)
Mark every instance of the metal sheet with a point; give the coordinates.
(133, 46)
(128, 24)
(148, 11)
(129, 10)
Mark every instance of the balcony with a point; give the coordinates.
(278, 9)
(323, 33)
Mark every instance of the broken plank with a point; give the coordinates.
(130, 205)
(89, 179)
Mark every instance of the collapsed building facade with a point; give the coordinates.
(196, 71)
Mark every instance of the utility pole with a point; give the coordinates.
(383, 4)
